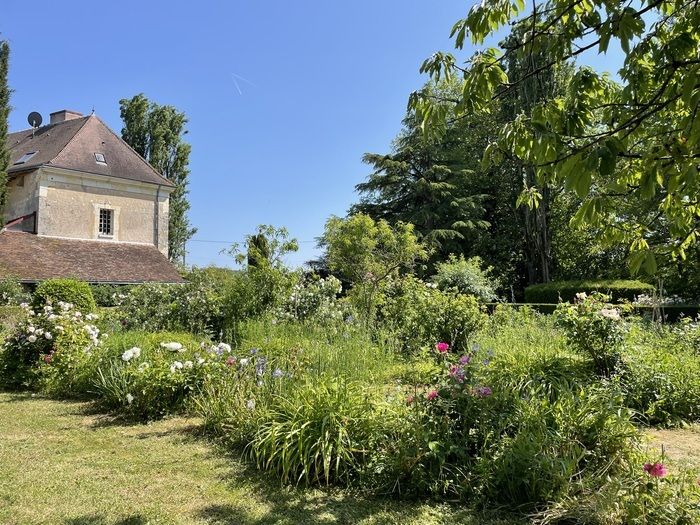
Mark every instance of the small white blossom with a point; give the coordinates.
(31, 338)
(129, 398)
(611, 313)
(177, 365)
(173, 347)
(48, 335)
(250, 404)
(244, 361)
(188, 364)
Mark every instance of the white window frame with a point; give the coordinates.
(98, 207)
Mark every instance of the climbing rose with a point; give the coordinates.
(655, 470)
(442, 347)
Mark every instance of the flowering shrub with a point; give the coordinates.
(417, 312)
(314, 299)
(596, 328)
(52, 345)
(466, 276)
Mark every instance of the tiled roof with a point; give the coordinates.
(72, 144)
(32, 258)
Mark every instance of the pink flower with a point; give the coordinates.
(230, 361)
(655, 470)
(442, 347)
(47, 358)
(410, 399)
(431, 395)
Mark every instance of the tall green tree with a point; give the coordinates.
(156, 133)
(4, 114)
(628, 150)
(426, 182)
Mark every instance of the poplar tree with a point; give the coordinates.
(156, 133)
(4, 114)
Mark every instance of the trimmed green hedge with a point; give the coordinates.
(71, 291)
(567, 290)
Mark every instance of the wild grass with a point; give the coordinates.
(62, 463)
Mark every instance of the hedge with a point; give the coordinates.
(71, 291)
(567, 290)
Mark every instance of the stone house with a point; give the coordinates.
(83, 204)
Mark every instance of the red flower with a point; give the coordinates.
(230, 361)
(442, 347)
(655, 470)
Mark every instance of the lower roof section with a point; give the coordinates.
(32, 258)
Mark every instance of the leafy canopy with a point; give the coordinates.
(628, 149)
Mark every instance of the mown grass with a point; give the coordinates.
(63, 463)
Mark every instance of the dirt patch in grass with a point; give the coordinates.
(680, 445)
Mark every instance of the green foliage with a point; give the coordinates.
(557, 291)
(49, 348)
(313, 298)
(53, 291)
(108, 295)
(265, 248)
(366, 252)
(660, 374)
(595, 328)
(318, 435)
(466, 276)
(5, 92)
(148, 376)
(156, 132)
(418, 314)
(195, 306)
(12, 293)
(628, 150)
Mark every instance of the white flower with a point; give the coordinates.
(129, 398)
(188, 364)
(48, 336)
(224, 347)
(611, 313)
(31, 338)
(126, 356)
(59, 328)
(90, 317)
(52, 317)
(244, 361)
(250, 404)
(177, 365)
(173, 347)
(31, 329)
(581, 296)
(200, 361)
(39, 331)
(24, 306)
(143, 366)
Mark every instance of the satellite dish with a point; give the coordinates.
(34, 119)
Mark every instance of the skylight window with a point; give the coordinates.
(100, 158)
(24, 158)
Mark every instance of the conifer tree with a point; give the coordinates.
(4, 114)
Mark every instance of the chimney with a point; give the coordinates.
(63, 115)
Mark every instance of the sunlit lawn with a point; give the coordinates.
(62, 463)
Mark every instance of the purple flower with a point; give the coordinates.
(484, 391)
(457, 373)
(465, 360)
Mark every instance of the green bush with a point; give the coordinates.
(77, 293)
(195, 306)
(466, 276)
(109, 295)
(660, 375)
(596, 328)
(48, 349)
(12, 293)
(418, 314)
(567, 290)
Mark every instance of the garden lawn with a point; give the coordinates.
(63, 463)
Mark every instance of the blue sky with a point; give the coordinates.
(283, 98)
